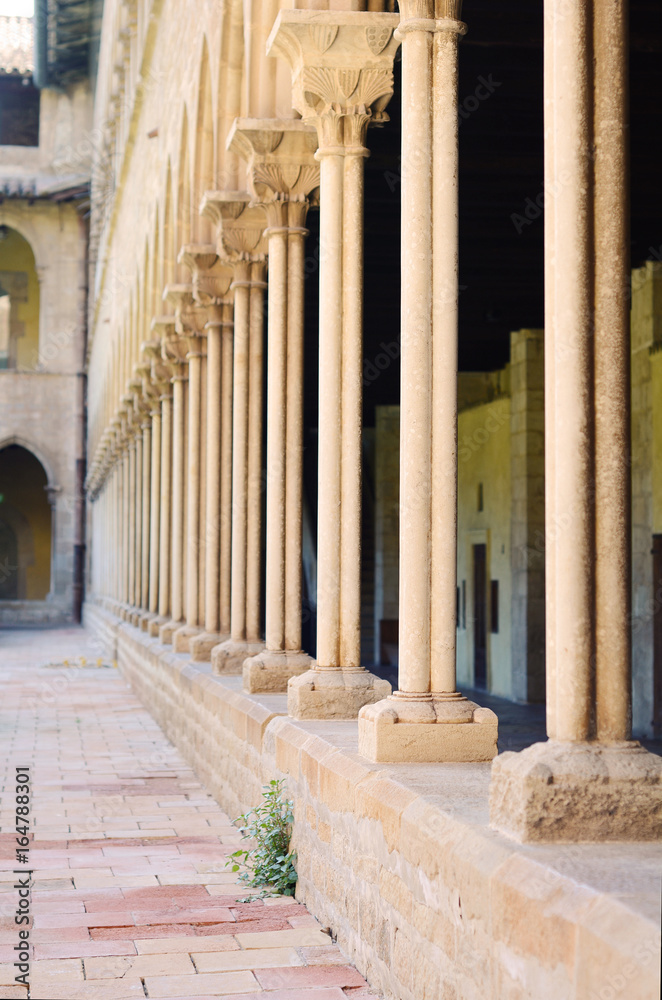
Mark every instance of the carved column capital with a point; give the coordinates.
(342, 70)
(282, 168)
(211, 275)
(240, 226)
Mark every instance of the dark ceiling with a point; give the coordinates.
(501, 176)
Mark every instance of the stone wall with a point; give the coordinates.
(527, 442)
(41, 407)
(646, 332)
(398, 860)
(484, 496)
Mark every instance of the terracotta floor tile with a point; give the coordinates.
(130, 882)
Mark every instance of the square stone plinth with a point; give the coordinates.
(271, 670)
(334, 694)
(577, 792)
(228, 657)
(435, 742)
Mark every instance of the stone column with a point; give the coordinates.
(150, 351)
(159, 391)
(190, 320)
(140, 409)
(589, 781)
(241, 244)
(211, 283)
(138, 514)
(284, 177)
(130, 515)
(342, 76)
(146, 477)
(174, 354)
(427, 719)
(165, 503)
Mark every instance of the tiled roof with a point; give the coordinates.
(16, 45)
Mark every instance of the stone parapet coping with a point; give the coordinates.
(398, 859)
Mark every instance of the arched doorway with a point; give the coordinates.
(19, 302)
(25, 527)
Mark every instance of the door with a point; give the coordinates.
(657, 636)
(480, 616)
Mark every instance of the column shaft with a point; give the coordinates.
(138, 518)
(254, 484)
(193, 482)
(294, 438)
(551, 520)
(240, 450)
(131, 525)
(212, 532)
(330, 421)
(225, 575)
(165, 504)
(612, 375)
(572, 485)
(177, 544)
(155, 512)
(416, 366)
(276, 438)
(443, 499)
(146, 475)
(351, 364)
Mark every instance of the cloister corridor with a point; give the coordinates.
(131, 896)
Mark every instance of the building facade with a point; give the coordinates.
(44, 183)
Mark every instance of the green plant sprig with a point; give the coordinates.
(270, 864)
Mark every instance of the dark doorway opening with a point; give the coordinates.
(8, 563)
(480, 616)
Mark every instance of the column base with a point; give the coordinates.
(181, 639)
(145, 618)
(334, 693)
(573, 792)
(134, 618)
(229, 656)
(270, 670)
(434, 729)
(167, 631)
(201, 645)
(154, 626)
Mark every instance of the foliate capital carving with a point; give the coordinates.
(190, 317)
(342, 69)
(159, 374)
(211, 275)
(240, 225)
(163, 328)
(281, 163)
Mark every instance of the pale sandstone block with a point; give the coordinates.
(204, 984)
(140, 966)
(301, 937)
(567, 792)
(164, 946)
(254, 958)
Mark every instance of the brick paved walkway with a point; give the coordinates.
(131, 897)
